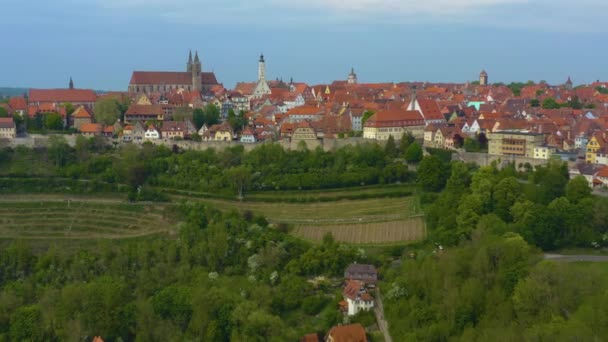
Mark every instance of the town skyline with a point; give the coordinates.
(410, 45)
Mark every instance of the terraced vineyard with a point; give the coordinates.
(408, 230)
(74, 219)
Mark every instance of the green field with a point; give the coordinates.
(48, 218)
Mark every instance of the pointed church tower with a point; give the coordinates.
(262, 69)
(189, 65)
(71, 85)
(262, 87)
(196, 73)
(569, 85)
(414, 105)
(352, 77)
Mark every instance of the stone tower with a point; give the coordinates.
(196, 73)
(262, 69)
(569, 85)
(262, 87)
(189, 65)
(71, 83)
(483, 78)
(352, 77)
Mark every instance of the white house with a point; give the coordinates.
(203, 129)
(152, 133)
(247, 136)
(357, 297)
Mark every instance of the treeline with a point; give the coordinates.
(229, 171)
(542, 204)
(495, 288)
(228, 277)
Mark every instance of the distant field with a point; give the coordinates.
(44, 218)
(407, 230)
(323, 213)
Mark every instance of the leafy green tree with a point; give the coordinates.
(431, 174)
(366, 115)
(26, 324)
(240, 179)
(183, 113)
(413, 153)
(212, 114)
(107, 111)
(390, 148)
(550, 103)
(3, 112)
(577, 189)
(406, 140)
(59, 150)
(69, 108)
(534, 103)
(471, 145)
(506, 193)
(53, 121)
(198, 118)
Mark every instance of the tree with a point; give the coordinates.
(458, 141)
(550, 103)
(240, 178)
(577, 189)
(212, 115)
(471, 145)
(53, 121)
(534, 103)
(506, 193)
(183, 113)
(3, 112)
(406, 140)
(390, 149)
(26, 324)
(366, 115)
(431, 173)
(58, 150)
(414, 153)
(107, 111)
(198, 118)
(69, 108)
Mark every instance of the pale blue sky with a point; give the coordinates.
(100, 42)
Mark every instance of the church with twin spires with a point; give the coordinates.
(193, 79)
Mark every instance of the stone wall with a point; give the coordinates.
(484, 159)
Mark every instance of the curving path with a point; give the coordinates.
(382, 323)
(575, 258)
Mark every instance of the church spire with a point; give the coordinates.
(190, 57)
(71, 83)
(196, 60)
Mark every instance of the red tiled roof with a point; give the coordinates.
(62, 95)
(81, 113)
(603, 172)
(348, 333)
(305, 110)
(169, 77)
(91, 128)
(430, 110)
(136, 109)
(17, 103)
(310, 338)
(7, 123)
(395, 117)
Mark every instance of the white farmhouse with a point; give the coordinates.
(357, 297)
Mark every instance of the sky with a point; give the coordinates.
(101, 42)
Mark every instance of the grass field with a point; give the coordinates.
(323, 213)
(51, 219)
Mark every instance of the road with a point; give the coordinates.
(382, 323)
(574, 258)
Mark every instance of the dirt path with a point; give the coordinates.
(379, 311)
(575, 258)
(58, 198)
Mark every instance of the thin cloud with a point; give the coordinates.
(546, 15)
